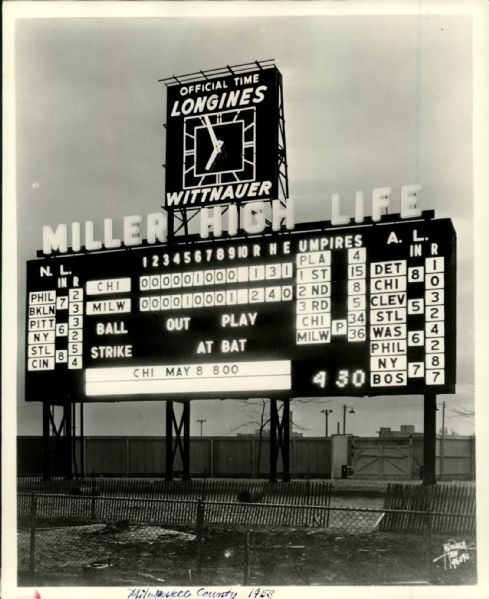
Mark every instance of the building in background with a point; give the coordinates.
(406, 430)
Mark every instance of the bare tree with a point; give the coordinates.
(462, 412)
(258, 416)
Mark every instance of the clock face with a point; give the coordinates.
(219, 148)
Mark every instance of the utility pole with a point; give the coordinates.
(326, 413)
(201, 420)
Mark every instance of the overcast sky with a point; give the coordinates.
(369, 101)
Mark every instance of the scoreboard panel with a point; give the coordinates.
(358, 310)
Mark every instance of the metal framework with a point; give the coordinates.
(177, 441)
(279, 439)
(57, 435)
(59, 439)
(219, 72)
(283, 169)
(429, 439)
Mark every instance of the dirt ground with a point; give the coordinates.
(143, 555)
(351, 551)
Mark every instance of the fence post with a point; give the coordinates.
(306, 513)
(330, 490)
(252, 451)
(32, 553)
(200, 535)
(428, 543)
(92, 514)
(211, 458)
(128, 457)
(200, 521)
(472, 458)
(247, 560)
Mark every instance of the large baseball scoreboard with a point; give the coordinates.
(322, 311)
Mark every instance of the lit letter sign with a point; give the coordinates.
(361, 310)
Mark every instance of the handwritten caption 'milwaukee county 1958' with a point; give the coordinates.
(145, 593)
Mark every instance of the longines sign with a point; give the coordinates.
(222, 139)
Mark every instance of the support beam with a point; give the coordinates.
(280, 439)
(82, 442)
(284, 437)
(169, 442)
(429, 445)
(186, 440)
(74, 452)
(46, 445)
(170, 231)
(68, 462)
(274, 420)
(177, 441)
(58, 439)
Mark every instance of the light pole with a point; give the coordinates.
(201, 420)
(326, 413)
(350, 411)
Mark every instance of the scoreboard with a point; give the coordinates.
(328, 311)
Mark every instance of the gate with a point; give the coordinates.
(382, 458)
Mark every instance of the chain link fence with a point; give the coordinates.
(83, 541)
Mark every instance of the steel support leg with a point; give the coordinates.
(73, 440)
(186, 440)
(177, 440)
(285, 440)
(273, 440)
(429, 445)
(169, 441)
(57, 441)
(82, 443)
(46, 444)
(68, 441)
(280, 439)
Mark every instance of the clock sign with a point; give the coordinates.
(222, 139)
(220, 148)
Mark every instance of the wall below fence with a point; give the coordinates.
(310, 457)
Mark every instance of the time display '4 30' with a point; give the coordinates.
(341, 379)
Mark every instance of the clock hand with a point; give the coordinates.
(212, 157)
(207, 123)
(215, 153)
